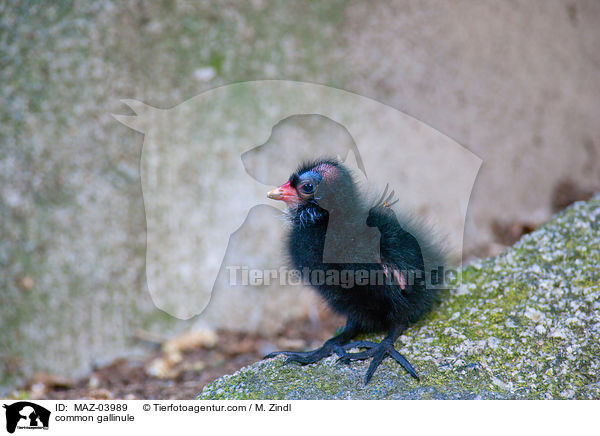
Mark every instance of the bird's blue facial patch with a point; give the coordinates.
(296, 180)
(311, 175)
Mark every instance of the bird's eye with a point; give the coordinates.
(307, 188)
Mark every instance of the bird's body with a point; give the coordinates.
(384, 290)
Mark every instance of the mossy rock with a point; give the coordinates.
(522, 325)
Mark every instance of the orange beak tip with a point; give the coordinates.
(275, 194)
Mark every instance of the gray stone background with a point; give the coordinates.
(516, 82)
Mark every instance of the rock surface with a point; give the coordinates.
(522, 325)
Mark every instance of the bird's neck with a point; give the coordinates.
(307, 237)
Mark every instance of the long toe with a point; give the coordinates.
(359, 344)
(378, 353)
(378, 357)
(311, 356)
(307, 357)
(402, 361)
(281, 353)
(362, 355)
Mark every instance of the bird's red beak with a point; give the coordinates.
(284, 193)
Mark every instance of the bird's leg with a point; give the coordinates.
(379, 351)
(333, 345)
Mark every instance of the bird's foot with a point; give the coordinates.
(378, 352)
(306, 357)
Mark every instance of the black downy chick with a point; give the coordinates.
(330, 221)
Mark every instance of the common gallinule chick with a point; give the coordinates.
(361, 260)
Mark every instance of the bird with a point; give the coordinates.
(394, 294)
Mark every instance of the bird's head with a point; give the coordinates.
(323, 184)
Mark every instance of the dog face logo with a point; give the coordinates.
(26, 415)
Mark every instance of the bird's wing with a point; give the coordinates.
(400, 252)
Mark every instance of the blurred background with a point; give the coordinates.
(515, 82)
